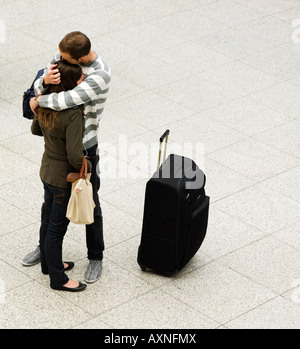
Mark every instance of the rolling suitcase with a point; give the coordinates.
(175, 216)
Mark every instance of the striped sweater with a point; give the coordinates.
(92, 92)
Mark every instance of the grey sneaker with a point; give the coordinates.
(93, 271)
(31, 258)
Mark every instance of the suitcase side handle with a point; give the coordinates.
(161, 139)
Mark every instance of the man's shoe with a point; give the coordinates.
(93, 271)
(31, 258)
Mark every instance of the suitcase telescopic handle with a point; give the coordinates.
(161, 139)
(166, 134)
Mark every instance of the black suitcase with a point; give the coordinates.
(175, 214)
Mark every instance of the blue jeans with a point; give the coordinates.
(94, 231)
(52, 231)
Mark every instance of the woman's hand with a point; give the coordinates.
(34, 103)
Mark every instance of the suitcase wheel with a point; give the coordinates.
(143, 267)
(166, 273)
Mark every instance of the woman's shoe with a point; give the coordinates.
(80, 287)
(70, 265)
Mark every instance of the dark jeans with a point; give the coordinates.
(54, 225)
(94, 231)
(52, 231)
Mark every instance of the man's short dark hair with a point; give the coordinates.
(76, 44)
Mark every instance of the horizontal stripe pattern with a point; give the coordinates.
(92, 92)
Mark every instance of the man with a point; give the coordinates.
(75, 48)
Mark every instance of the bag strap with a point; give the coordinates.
(83, 168)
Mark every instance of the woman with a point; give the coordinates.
(63, 132)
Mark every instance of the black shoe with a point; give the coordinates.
(70, 265)
(80, 287)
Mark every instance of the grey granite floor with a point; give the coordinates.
(224, 77)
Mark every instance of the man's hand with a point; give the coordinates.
(53, 76)
(34, 104)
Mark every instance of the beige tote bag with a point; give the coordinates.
(81, 205)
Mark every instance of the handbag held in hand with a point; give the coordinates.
(81, 205)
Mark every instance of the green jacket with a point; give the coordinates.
(63, 147)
